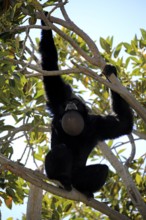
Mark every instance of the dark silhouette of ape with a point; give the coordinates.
(75, 132)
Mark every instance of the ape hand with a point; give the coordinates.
(108, 70)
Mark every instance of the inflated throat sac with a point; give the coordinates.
(72, 123)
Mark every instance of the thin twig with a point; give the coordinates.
(133, 150)
(39, 70)
(24, 42)
(58, 5)
(32, 55)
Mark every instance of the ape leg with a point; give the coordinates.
(89, 179)
(58, 165)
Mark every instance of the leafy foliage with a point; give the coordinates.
(24, 118)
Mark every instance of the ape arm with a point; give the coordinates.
(56, 90)
(121, 123)
(110, 127)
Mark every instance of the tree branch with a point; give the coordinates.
(139, 134)
(120, 89)
(69, 24)
(114, 83)
(34, 205)
(69, 39)
(127, 180)
(116, 86)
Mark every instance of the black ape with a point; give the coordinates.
(70, 149)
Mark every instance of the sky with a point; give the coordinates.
(119, 18)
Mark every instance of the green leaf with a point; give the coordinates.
(121, 151)
(2, 81)
(110, 142)
(67, 206)
(6, 128)
(143, 32)
(32, 20)
(138, 178)
(10, 192)
(104, 44)
(117, 50)
(38, 157)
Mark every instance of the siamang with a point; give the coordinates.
(75, 131)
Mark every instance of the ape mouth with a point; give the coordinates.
(72, 122)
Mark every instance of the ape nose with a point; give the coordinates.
(71, 106)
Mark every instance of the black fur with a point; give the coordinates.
(66, 161)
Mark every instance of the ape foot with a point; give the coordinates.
(89, 195)
(90, 179)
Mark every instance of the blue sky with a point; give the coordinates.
(121, 19)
